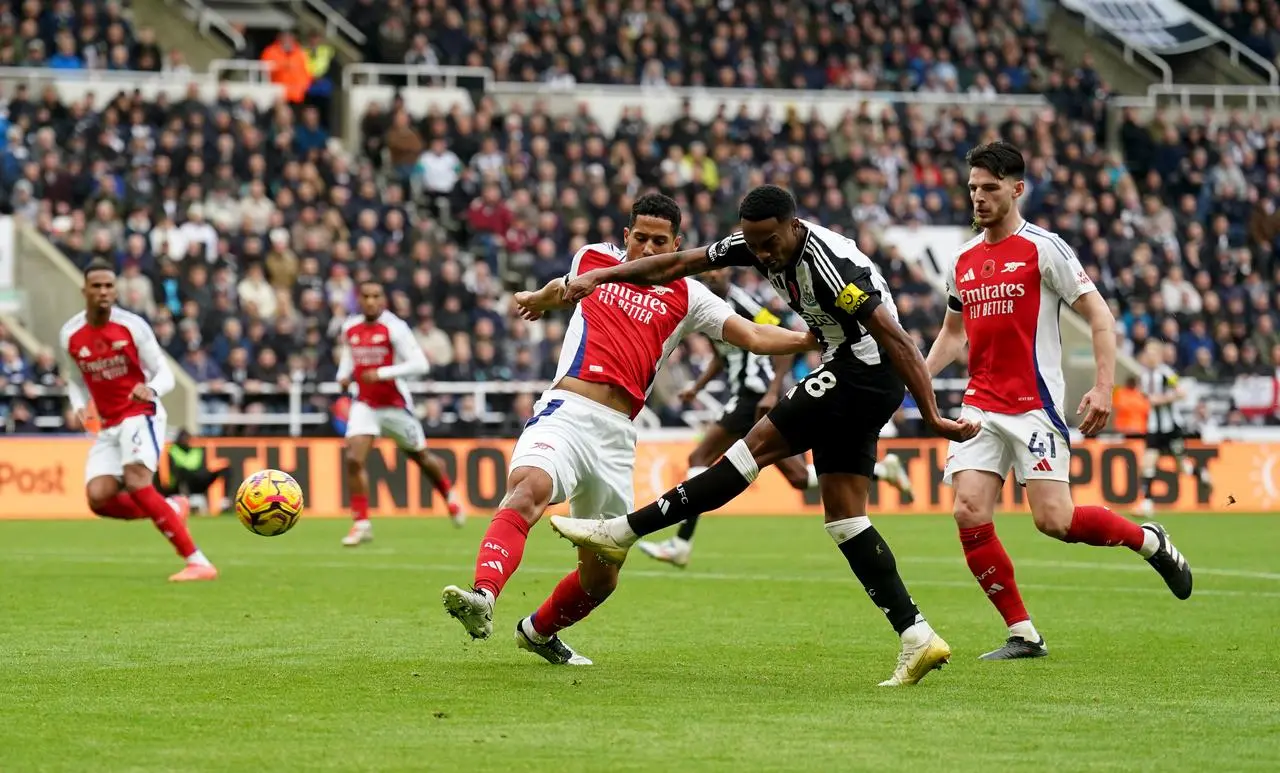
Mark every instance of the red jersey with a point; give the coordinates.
(385, 345)
(1010, 294)
(622, 333)
(111, 361)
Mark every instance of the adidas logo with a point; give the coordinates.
(1043, 466)
(496, 565)
(968, 276)
(663, 505)
(994, 589)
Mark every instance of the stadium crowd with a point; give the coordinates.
(242, 233)
(80, 35)
(934, 46)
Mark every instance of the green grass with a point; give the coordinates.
(763, 656)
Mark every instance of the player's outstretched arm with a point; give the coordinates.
(651, 270)
(910, 367)
(949, 345)
(532, 305)
(1095, 407)
(767, 339)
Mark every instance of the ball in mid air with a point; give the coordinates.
(269, 502)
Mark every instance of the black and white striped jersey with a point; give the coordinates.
(1158, 382)
(744, 371)
(832, 286)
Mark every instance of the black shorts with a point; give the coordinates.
(838, 412)
(1167, 443)
(739, 414)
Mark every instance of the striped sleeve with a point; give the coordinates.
(730, 251)
(850, 282)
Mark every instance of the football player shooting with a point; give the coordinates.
(1004, 295)
(580, 444)
(837, 411)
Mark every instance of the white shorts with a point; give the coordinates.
(399, 424)
(588, 450)
(1034, 445)
(136, 440)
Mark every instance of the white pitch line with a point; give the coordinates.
(674, 574)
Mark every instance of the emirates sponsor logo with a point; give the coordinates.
(993, 292)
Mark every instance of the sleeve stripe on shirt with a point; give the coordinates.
(822, 261)
(1055, 240)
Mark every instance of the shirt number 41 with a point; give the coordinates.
(1037, 446)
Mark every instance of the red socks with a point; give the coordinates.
(1098, 526)
(360, 506)
(993, 570)
(166, 520)
(121, 506)
(443, 485)
(500, 551)
(566, 605)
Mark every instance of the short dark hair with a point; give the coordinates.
(1000, 158)
(657, 205)
(767, 201)
(99, 264)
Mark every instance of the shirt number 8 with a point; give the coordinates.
(818, 384)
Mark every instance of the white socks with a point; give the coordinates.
(847, 529)
(198, 559)
(879, 471)
(813, 477)
(1150, 543)
(1025, 630)
(620, 530)
(526, 625)
(694, 472)
(917, 635)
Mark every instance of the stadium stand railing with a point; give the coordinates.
(207, 19)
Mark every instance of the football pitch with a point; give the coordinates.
(762, 656)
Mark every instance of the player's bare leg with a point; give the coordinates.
(678, 549)
(432, 466)
(1057, 516)
(976, 495)
(139, 483)
(357, 453)
(529, 491)
(574, 597)
(844, 497)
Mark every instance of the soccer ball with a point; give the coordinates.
(269, 502)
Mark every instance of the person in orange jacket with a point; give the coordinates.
(1129, 409)
(290, 67)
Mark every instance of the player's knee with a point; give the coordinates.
(137, 477)
(528, 493)
(972, 510)
(1053, 519)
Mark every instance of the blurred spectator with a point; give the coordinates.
(290, 66)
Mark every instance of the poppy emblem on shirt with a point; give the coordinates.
(795, 291)
(988, 269)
